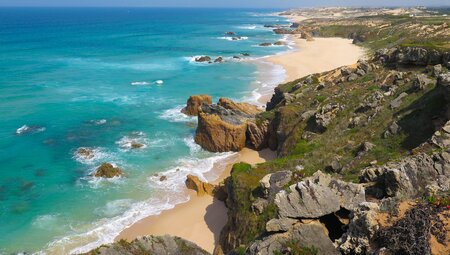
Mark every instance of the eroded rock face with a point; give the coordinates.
(194, 103)
(216, 134)
(155, 245)
(228, 126)
(202, 188)
(107, 170)
(258, 135)
(317, 196)
(271, 184)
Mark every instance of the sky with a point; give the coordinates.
(225, 3)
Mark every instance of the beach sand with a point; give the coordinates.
(201, 219)
(320, 55)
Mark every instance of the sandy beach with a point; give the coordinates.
(201, 219)
(317, 56)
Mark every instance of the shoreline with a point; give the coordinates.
(201, 219)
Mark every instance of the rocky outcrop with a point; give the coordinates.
(412, 56)
(107, 170)
(325, 115)
(219, 131)
(317, 196)
(202, 188)
(154, 245)
(413, 175)
(194, 102)
(230, 126)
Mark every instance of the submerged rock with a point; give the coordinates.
(194, 102)
(85, 153)
(107, 170)
(203, 59)
(265, 44)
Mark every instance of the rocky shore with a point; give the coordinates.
(363, 150)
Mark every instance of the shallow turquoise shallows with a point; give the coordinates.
(104, 79)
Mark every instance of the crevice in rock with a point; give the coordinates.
(334, 225)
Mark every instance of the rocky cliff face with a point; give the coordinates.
(155, 245)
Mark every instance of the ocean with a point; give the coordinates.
(105, 78)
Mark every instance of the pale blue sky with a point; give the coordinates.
(224, 3)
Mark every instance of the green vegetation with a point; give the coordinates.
(391, 31)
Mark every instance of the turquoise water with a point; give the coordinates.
(100, 78)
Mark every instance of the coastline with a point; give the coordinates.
(201, 219)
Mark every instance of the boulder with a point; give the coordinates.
(346, 71)
(271, 184)
(107, 170)
(194, 102)
(364, 148)
(203, 59)
(279, 43)
(393, 129)
(155, 245)
(317, 196)
(325, 115)
(265, 44)
(397, 102)
(218, 60)
(420, 82)
(202, 188)
(370, 102)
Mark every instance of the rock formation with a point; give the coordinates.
(107, 170)
(154, 245)
(194, 102)
(229, 126)
(202, 188)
